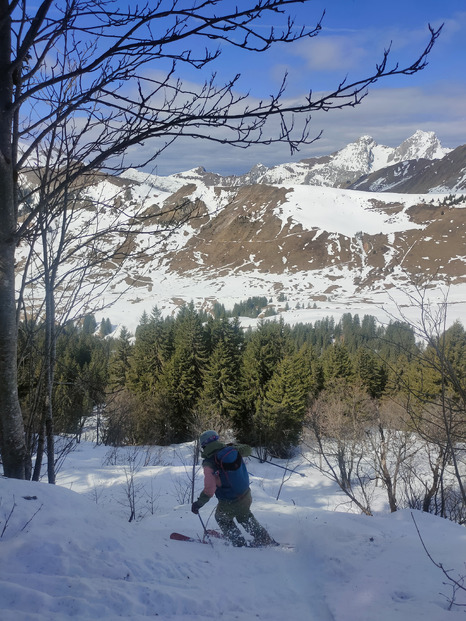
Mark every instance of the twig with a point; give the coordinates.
(8, 519)
(446, 572)
(31, 518)
(206, 534)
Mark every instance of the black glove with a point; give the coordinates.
(195, 507)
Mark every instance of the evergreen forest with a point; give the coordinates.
(342, 388)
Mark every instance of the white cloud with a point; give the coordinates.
(331, 53)
(388, 115)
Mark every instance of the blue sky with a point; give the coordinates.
(353, 38)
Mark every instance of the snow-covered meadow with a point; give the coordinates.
(68, 551)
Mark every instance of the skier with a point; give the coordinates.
(225, 475)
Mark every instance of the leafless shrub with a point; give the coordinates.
(120, 420)
(139, 498)
(183, 490)
(393, 447)
(112, 457)
(152, 456)
(64, 445)
(338, 420)
(96, 491)
(151, 497)
(285, 477)
(7, 518)
(133, 463)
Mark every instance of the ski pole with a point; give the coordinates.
(206, 534)
(278, 465)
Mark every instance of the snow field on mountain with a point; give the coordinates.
(68, 550)
(345, 211)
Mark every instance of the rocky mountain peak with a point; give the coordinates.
(346, 166)
(420, 145)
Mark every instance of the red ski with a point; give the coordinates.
(216, 535)
(209, 533)
(180, 537)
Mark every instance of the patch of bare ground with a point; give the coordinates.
(391, 209)
(422, 213)
(139, 281)
(248, 235)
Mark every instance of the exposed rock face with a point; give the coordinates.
(420, 176)
(346, 166)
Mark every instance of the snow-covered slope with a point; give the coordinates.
(68, 551)
(318, 247)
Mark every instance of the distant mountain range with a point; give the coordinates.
(346, 228)
(364, 165)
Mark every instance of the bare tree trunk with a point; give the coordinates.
(390, 482)
(50, 271)
(39, 451)
(12, 441)
(438, 469)
(50, 353)
(13, 445)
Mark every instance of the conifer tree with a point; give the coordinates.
(368, 328)
(148, 353)
(324, 333)
(105, 327)
(97, 374)
(337, 363)
(81, 377)
(350, 331)
(189, 358)
(182, 378)
(266, 347)
(221, 379)
(71, 399)
(371, 372)
(455, 355)
(89, 324)
(121, 360)
(281, 414)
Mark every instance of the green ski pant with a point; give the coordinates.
(229, 510)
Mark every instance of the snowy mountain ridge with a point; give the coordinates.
(196, 236)
(340, 169)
